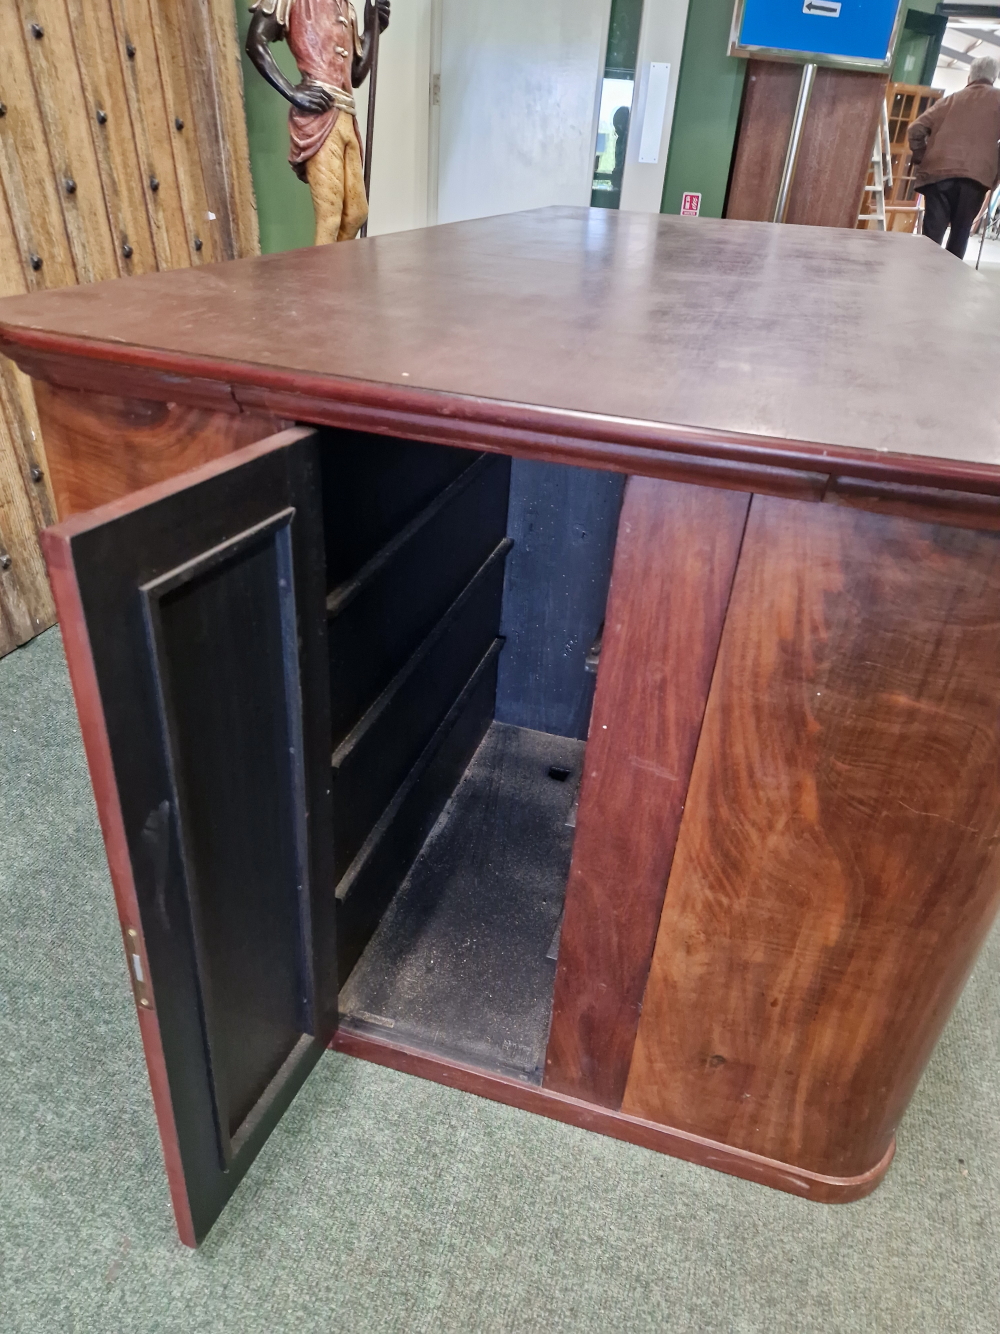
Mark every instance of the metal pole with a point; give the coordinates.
(370, 132)
(794, 142)
(987, 219)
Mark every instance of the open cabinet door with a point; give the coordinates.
(193, 615)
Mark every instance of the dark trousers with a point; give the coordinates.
(952, 203)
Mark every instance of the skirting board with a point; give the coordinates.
(646, 1134)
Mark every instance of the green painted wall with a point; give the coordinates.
(284, 206)
(913, 47)
(709, 93)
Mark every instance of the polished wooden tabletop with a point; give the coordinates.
(839, 340)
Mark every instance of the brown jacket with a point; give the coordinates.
(958, 137)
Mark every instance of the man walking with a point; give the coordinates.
(955, 150)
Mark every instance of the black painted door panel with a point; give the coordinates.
(195, 626)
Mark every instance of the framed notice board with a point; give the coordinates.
(849, 34)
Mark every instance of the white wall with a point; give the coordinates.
(519, 82)
(951, 78)
(487, 106)
(661, 40)
(402, 123)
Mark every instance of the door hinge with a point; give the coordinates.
(136, 968)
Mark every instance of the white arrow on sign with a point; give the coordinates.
(827, 8)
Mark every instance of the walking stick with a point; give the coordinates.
(370, 131)
(987, 219)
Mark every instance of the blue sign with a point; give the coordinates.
(854, 34)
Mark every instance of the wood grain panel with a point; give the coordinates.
(28, 174)
(25, 602)
(89, 190)
(17, 402)
(836, 148)
(93, 31)
(770, 92)
(440, 349)
(193, 35)
(13, 278)
(106, 378)
(574, 1112)
(26, 605)
(25, 505)
(167, 24)
(916, 502)
(835, 151)
(60, 98)
(152, 130)
(673, 570)
(17, 407)
(837, 867)
(227, 69)
(100, 447)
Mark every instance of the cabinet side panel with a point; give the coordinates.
(101, 446)
(837, 866)
(674, 564)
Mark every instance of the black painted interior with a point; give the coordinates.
(563, 522)
(460, 962)
(465, 595)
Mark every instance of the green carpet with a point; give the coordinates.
(385, 1203)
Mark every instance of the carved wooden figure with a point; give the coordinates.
(357, 784)
(334, 57)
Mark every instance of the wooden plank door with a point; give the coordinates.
(193, 615)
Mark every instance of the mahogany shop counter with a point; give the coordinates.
(557, 655)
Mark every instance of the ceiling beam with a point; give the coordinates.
(970, 11)
(984, 34)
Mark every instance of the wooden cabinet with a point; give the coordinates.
(358, 781)
(904, 103)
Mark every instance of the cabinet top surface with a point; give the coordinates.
(836, 341)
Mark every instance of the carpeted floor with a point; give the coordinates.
(384, 1203)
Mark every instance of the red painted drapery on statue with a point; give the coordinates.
(323, 36)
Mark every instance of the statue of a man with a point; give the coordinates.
(333, 59)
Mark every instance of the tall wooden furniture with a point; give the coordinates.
(836, 144)
(904, 102)
(123, 149)
(335, 680)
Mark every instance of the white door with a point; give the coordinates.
(516, 87)
(399, 198)
(661, 44)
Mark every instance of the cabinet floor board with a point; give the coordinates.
(459, 965)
